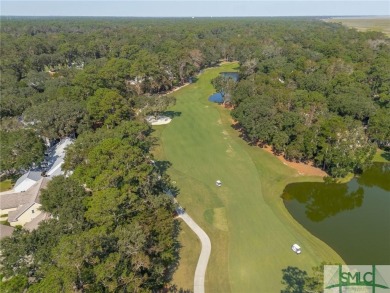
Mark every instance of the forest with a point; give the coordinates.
(316, 92)
(323, 98)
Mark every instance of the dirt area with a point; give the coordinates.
(303, 169)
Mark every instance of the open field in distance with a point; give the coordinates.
(365, 24)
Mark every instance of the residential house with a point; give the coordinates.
(22, 204)
(27, 180)
(23, 207)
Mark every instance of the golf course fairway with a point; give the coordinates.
(251, 232)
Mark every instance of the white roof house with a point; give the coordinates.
(27, 180)
(22, 204)
(56, 157)
(13, 200)
(30, 207)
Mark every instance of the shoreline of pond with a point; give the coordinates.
(348, 217)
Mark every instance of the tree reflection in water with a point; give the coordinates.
(376, 175)
(352, 218)
(324, 200)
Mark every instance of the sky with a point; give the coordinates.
(194, 8)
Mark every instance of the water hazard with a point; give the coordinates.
(353, 218)
(218, 97)
(233, 75)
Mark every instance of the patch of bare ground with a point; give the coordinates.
(301, 168)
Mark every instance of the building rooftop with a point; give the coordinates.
(56, 157)
(17, 199)
(32, 175)
(6, 231)
(32, 225)
(14, 215)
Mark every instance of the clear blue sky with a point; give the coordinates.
(185, 8)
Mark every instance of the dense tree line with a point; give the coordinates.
(112, 226)
(318, 94)
(304, 71)
(19, 149)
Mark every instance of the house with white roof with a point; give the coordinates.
(54, 161)
(22, 204)
(11, 201)
(56, 157)
(23, 207)
(27, 180)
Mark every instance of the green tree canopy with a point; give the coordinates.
(56, 118)
(20, 149)
(108, 107)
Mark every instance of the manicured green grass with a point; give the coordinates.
(5, 185)
(251, 232)
(189, 252)
(381, 156)
(346, 178)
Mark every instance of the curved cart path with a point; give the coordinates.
(201, 267)
(204, 256)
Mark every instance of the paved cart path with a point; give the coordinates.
(204, 256)
(201, 267)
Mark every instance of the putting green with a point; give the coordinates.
(250, 230)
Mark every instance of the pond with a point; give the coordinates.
(352, 218)
(233, 75)
(218, 97)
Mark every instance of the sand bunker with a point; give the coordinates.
(161, 120)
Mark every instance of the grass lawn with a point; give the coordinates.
(381, 156)
(251, 232)
(5, 185)
(190, 250)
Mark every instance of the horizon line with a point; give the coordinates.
(195, 16)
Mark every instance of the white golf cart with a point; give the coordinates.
(296, 248)
(218, 183)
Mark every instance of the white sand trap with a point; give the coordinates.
(161, 120)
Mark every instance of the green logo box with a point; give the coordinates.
(357, 278)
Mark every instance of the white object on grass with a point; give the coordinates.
(296, 248)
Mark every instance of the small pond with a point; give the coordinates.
(352, 218)
(217, 97)
(233, 75)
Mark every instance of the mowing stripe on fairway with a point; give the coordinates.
(248, 225)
